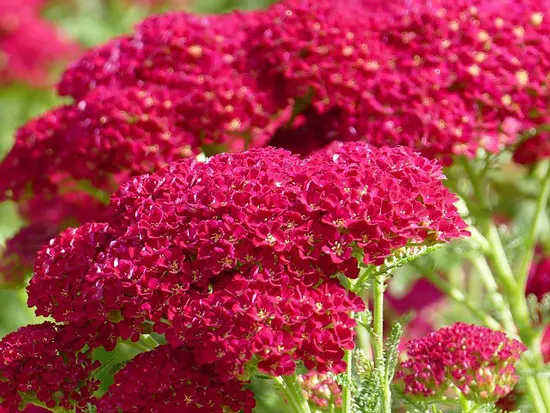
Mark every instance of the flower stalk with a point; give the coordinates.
(378, 341)
(293, 393)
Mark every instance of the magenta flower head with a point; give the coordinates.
(167, 380)
(236, 258)
(43, 361)
(321, 49)
(474, 360)
(29, 44)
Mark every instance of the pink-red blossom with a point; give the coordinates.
(29, 44)
(538, 282)
(167, 380)
(476, 360)
(41, 361)
(236, 256)
(174, 50)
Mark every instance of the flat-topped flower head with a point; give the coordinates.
(474, 360)
(102, 139)
(167, 380)
(321, 51)
(171, 49)
(41, 362)
(236, 257)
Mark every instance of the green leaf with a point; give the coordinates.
(399, 258)
(391, 351)
(111, 366)
(368, 396)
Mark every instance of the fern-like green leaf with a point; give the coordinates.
(391, 351)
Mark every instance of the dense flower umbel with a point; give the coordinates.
(28, 43)
(445, 77)
(318, 48)
(43, 361)
(235, 257)
(321, 390)
(196, 57)
(167, 380)
(170, 50)
(102, 139)
(476, 360)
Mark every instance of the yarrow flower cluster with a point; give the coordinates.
(234, 259)
(166, 380)
(44, 361)
(477, 361)
(28, 43)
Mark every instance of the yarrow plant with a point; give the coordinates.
(226, 199)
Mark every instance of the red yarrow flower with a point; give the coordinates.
(475, 360)
(43, 362)
(29, 44)
(235, 257)
(167, 380)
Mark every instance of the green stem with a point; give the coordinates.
(32, 400)
(347, 400)
(534, 395)
(499, 260)
(487, 278)
(467, 406)
(378, 341)
(293, 393)
(531, 238)
(363, 336)
(539, 391)
(458, 296)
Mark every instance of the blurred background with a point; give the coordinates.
(38, 38)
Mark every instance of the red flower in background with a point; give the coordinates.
(45, 218)
(29, 44)
(476, 360)
(538, 282)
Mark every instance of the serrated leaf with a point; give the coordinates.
(399, 258)
(391, 351)
(368, 396)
